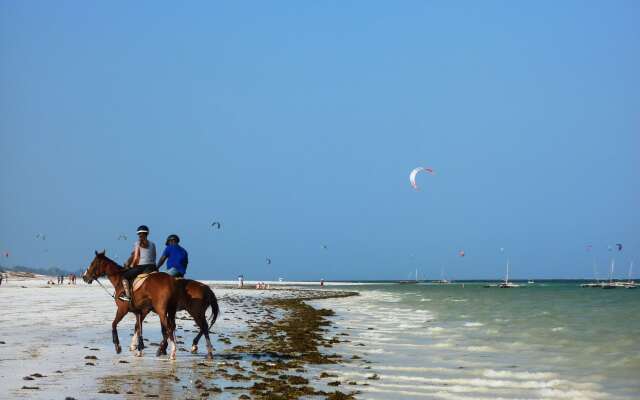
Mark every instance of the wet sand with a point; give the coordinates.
(55, 342)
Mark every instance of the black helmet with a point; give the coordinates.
(142, 229)
(172, 237)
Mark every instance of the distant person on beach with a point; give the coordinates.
(1, 277)
(144, 261)
(176, 256)
(240, 281)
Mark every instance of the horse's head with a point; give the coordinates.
(97, 267)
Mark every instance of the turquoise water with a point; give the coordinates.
(546, 340)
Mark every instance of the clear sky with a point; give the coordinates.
(296, 124)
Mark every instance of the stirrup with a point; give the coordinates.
(124, 297)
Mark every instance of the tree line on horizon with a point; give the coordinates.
(51, 271)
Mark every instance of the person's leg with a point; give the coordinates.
(127, 277)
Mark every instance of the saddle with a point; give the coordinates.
(137, 282)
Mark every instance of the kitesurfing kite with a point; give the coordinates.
(589, 247)
(41, 236)
(122, 237)
(619, 246)
(216, 224)
(461, 253)
(268, 260)
(414, 173)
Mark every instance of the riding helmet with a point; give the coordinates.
(143, 229)
(172, 237)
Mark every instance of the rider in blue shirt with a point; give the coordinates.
(177, 257)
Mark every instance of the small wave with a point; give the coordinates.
(415, 369)
(483, 349)
(457, 300)
(557, 329)
(490, 373)
(443, 345)
(425, 299)
(375, 351)
(473, 324)
(571, 394)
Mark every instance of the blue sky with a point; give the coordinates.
(296, 124)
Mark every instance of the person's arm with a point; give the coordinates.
(163, 258)
(127, 264)
(186, 259)
(136, 256)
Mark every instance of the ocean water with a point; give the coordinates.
(547, 340)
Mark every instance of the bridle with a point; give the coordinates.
(113, 296)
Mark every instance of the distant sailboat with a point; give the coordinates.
(597, 282)
(630, 284)
(442, 281)
(506, 284)
(411, 281)
(611, 284)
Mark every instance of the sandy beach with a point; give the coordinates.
(55, 342)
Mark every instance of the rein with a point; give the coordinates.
(113, 296)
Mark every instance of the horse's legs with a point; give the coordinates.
(201, 320)
(120, 313)
(194, 311)
(205, 328)
(162, 349)
(194, 345)
(134, 338)
(139, 319)
(168, 321)
(172, 332)
(136, 331)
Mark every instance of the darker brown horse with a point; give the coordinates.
(195, 298)
(157, 293)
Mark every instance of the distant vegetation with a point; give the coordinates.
(51, 271)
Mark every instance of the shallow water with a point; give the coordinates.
(548, 340)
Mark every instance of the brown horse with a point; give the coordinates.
(195, 298)
(157, 293)
(190, 295)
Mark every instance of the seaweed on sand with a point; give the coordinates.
(292, 342)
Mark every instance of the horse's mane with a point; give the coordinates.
(107, 259)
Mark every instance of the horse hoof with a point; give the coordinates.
(133, 348)
(138, 354)
(173, 357)
(118, 349)
(194, 349)
(209, 356)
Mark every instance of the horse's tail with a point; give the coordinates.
(213, 303)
